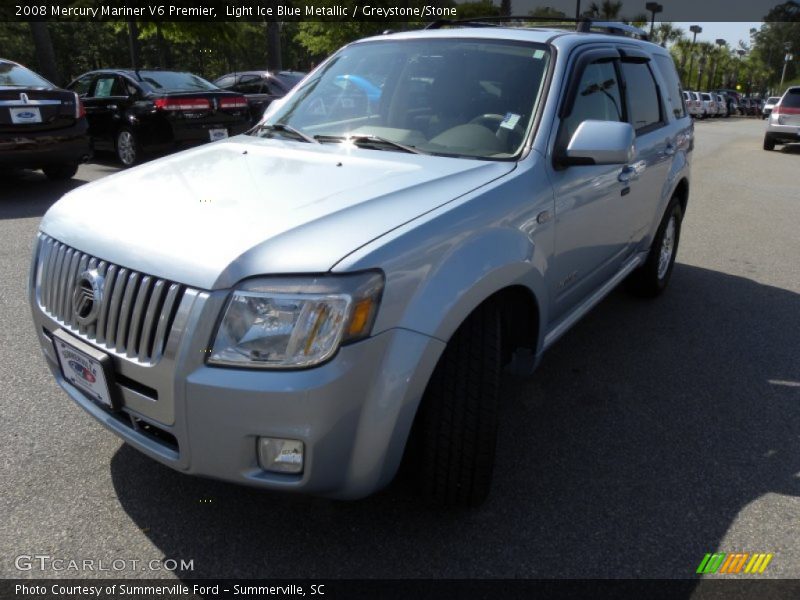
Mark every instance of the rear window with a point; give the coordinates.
(791, 99)
(170, 81)
(16, 76)
(673, 91)
(707, 97)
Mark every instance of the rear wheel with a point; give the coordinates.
(455, 433)
(127, 147)
(769, 143)
(652, 277)
(60, 172)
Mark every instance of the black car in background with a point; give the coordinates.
(41, 125)
(132, 112)
(260, 87)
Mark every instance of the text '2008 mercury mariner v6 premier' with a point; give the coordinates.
(305, 306)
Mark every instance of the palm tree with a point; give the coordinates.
(607, 10)
(667, 33)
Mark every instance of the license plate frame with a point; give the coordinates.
(19, 115)
(87, 369)
(217, 133)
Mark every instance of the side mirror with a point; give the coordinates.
(601, 143)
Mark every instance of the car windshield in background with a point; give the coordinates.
(464, 98)
(170, 81)
(773, 100)
(16, 76)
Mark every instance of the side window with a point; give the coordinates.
(82, 85)
(109, 85)
(249, 84)
(273, 88)
(598, 98)
(644, 103)
(673, 91)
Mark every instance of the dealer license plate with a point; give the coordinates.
(83, 370)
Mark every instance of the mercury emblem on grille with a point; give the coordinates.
(87, 297)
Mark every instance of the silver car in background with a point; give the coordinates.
(769, 104)
(783, 125)
(303, 307)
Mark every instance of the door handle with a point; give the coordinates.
(112, 107)
(632, 171)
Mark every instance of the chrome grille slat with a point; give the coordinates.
(134, 330)
(164, 320)
(136, 310)
(125, 310)
(116, 302)
(145, 340)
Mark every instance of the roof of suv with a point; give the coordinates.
(541, 35)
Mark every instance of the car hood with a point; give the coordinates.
(211, 216)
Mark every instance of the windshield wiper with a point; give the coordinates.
(369, 140)
(284, 128)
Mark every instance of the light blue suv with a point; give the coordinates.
(303, 307)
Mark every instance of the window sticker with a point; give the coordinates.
(510, 121)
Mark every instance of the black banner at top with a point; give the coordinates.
(388, 10)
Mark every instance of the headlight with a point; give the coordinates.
(280, 323)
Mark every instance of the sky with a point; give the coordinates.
(731, 32)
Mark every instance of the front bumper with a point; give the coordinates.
(353, 413)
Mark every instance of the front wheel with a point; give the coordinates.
(652, 277)
(127, 147)
(452, 446)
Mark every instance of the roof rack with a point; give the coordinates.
(583, 25)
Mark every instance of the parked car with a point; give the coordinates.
(693, 104)
(41, 125)
(769, 105)
(260, 87)
(303, 307)
(722, 105)
(783, 126)
(709, 104)
(135, 112)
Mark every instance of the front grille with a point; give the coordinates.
(136, 312)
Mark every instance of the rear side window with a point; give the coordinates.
(643, 102)
(791, 99)
(673, 91)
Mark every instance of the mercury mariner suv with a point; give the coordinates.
(304, 306)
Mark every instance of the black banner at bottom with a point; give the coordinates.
(405, 589)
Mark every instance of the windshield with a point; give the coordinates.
(170, 81)
(455, 97)
(14, 75)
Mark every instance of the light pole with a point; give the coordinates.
(695, 29)
(653, 7)
(786, 58)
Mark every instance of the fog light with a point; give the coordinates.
(280, 456)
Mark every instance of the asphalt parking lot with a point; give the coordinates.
(653, 433)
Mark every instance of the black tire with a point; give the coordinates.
(769, 143)
(651, 279)
(60, 172)
(452, 446)
(127, 147)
